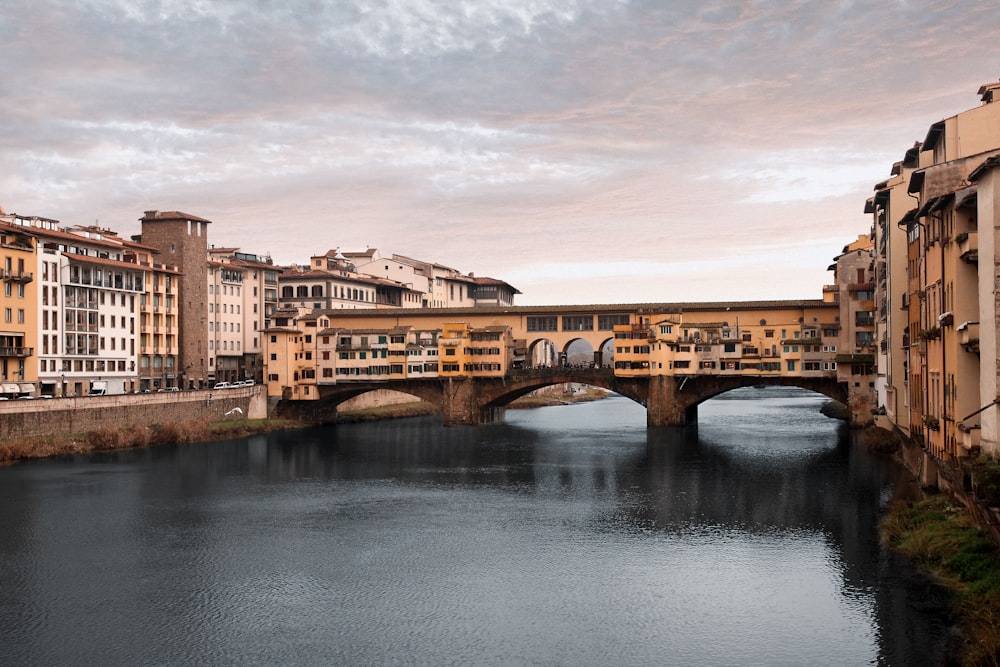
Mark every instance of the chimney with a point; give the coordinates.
(987, 91)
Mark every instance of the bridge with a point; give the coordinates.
(472, 362)
(669, 400)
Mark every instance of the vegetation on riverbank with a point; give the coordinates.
(540, 400)
(129, 438)
(939, 537)
(394, 411)
(204, 431)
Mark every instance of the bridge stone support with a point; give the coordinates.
(666, 406)
(460, 401)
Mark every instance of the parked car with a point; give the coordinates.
(222, 385)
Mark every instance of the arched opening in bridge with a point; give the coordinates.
(377, 398)
(579, 353)
(543, 353)
(689, 394)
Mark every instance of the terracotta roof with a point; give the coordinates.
(88, 259)
(323, 274)
(111, 242)
(171, 215)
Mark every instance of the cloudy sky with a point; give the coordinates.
(584, 151)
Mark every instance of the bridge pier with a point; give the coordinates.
(665, 406)
(458, 402)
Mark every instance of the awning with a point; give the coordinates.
(27, 388)
(10, 388)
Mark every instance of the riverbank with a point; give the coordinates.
(958, 560)
(200, 430)
(937, 535)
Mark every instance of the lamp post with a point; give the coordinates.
(62, 379)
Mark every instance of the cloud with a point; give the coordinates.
(498, 136)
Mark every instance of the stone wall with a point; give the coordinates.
(57, 416)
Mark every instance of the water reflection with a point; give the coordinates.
(565, 536)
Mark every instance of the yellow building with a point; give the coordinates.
(19, 309)
(159, 332)
(854, 290)
(453, 349)
(758, 342)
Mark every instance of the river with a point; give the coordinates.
(568, 535)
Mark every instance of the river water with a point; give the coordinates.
(569, 535)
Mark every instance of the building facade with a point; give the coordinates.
(937, 283)
(182, 241)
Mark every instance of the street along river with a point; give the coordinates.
(566, 536)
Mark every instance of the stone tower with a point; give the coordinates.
(182, 240)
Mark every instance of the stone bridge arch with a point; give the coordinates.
(674, 400)
(324, 410)
(500, 394)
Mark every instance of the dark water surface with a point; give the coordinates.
(567, 536)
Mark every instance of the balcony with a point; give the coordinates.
(968, 336)
(16, 276)
(968, 246)
(970, 435)
(8, 351)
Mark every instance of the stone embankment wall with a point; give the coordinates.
(59, 416)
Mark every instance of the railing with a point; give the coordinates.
(16, 351)
(16, 276)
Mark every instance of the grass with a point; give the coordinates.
(940, 538)
(395, 411)
(200, 430)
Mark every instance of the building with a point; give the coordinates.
(182, 240)
(433, 285)
(90, 291)
(225, 323)
(333, 281)
(159, 322)
(940, 380)
(854, 291)
(890, 205)
(258, 288)
(19, 303)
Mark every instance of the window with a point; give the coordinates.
(545, 323)
(608, 322)
(578, 322)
